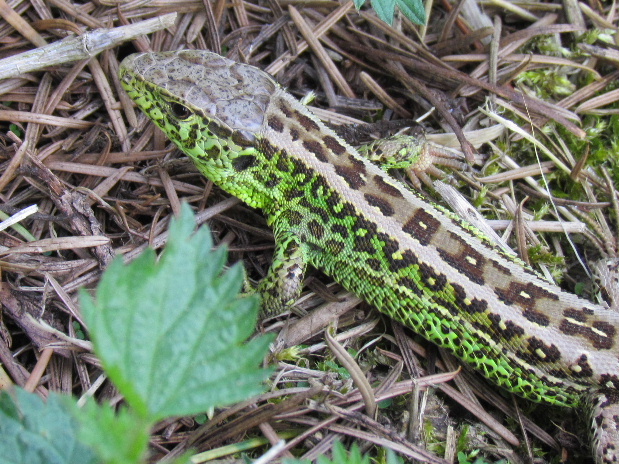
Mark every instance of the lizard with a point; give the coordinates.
(332, 208)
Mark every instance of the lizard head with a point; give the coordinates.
(209, 106)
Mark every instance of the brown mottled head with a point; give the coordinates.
(214, 110)
(234, 96)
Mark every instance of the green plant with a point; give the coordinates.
(341, 456)
(385, 9)
(170, 334)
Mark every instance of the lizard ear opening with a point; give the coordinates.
(180, 111)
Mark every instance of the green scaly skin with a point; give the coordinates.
(330, 207)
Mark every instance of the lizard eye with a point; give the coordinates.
(180, 111)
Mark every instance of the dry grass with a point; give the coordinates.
(106, 183)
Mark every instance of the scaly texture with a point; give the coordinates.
(332, 208)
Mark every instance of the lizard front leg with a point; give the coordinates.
(415, 155)
(284, 281)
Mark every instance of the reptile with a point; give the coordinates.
(332, 208)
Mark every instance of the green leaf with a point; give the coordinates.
(393, 458)
(116, 437)
(385, 9)
(170, 334)
(413, 10)
(341, 456)
(35, 432)
(15, 129)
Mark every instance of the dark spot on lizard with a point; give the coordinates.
(387, 188)
(294, 193)
(475, 306)
(340, 229)
(316, 228)
(320, 212)
(558, 373)
(468, 261)
(390, 245)
(408, 259)
(459, 292)
(241, 163)
(536, 317)
(383, 205)
(341, 210)
(273, 181)
(499, 267)
(364, 245)
(242, 138)
(282, 164)
(306, 122)
(334, 145)
(352, 176)
(294, 218)
(268, 148)
(525, 295)
(220, 131)
(575, 314)
(373, 264)
(412, 285)
(448, 305)
(612, 380)
(284, 108)
(512, 330)
(546, 353)
(421, 226)
(433, 280)
(214, 151)
(276, 123)
(316, 149)
(335, 246)
(601, 338)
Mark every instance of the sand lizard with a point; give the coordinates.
(415, 261)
